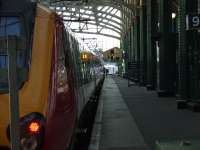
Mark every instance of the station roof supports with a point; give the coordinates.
(103, 17)
(157, 45)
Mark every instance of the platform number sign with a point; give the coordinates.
(193, 22)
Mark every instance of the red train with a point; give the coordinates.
(55, 84)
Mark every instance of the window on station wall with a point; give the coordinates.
(112, 52)
(112, 58)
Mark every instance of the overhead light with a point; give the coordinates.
(173, 15)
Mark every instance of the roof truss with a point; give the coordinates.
(101, 17)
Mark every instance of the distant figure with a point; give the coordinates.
(107, 72)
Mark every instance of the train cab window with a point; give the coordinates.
(12, 26)
(9, 26)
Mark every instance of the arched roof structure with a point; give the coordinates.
(103, 17)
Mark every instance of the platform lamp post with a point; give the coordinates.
(11, 44)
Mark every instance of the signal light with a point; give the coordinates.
(34, 127)
(84, 57)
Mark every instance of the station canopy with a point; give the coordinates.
(102, 17)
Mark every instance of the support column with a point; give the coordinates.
(167, 51)
(192, 44)
(143, 45)
(125, 47)
(151, 44)
(188, 89)
(132, 43)
(137, 45)
(129, 44)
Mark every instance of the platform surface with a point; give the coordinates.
(190, 144)
(133, 118)
(158, 119)
(118, 128)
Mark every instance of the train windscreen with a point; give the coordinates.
(12, 27)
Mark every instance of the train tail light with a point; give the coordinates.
(30, 141)
(34, 127)
(32, 131)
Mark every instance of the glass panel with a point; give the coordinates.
(3, 60)
(10, 26)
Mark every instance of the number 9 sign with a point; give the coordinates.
(193, 22)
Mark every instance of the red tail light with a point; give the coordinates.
(34, 127)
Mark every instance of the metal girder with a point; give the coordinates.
(96, 4)
(89, 8)
(103, 26)
(99, 20)
(69, 10)
(108, 35)
(104, 19)
(100, 16)
(93, 2)
(104, 14)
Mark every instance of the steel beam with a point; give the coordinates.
(108, 35)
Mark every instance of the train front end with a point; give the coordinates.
(31, 28)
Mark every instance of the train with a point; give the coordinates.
(55, 80)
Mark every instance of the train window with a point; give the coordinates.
(9, 26)
(12, 26)
(3, 60)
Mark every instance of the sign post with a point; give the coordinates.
(13, 93)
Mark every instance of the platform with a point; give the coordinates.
(158, 118)
(132, 118)
(115, 128)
